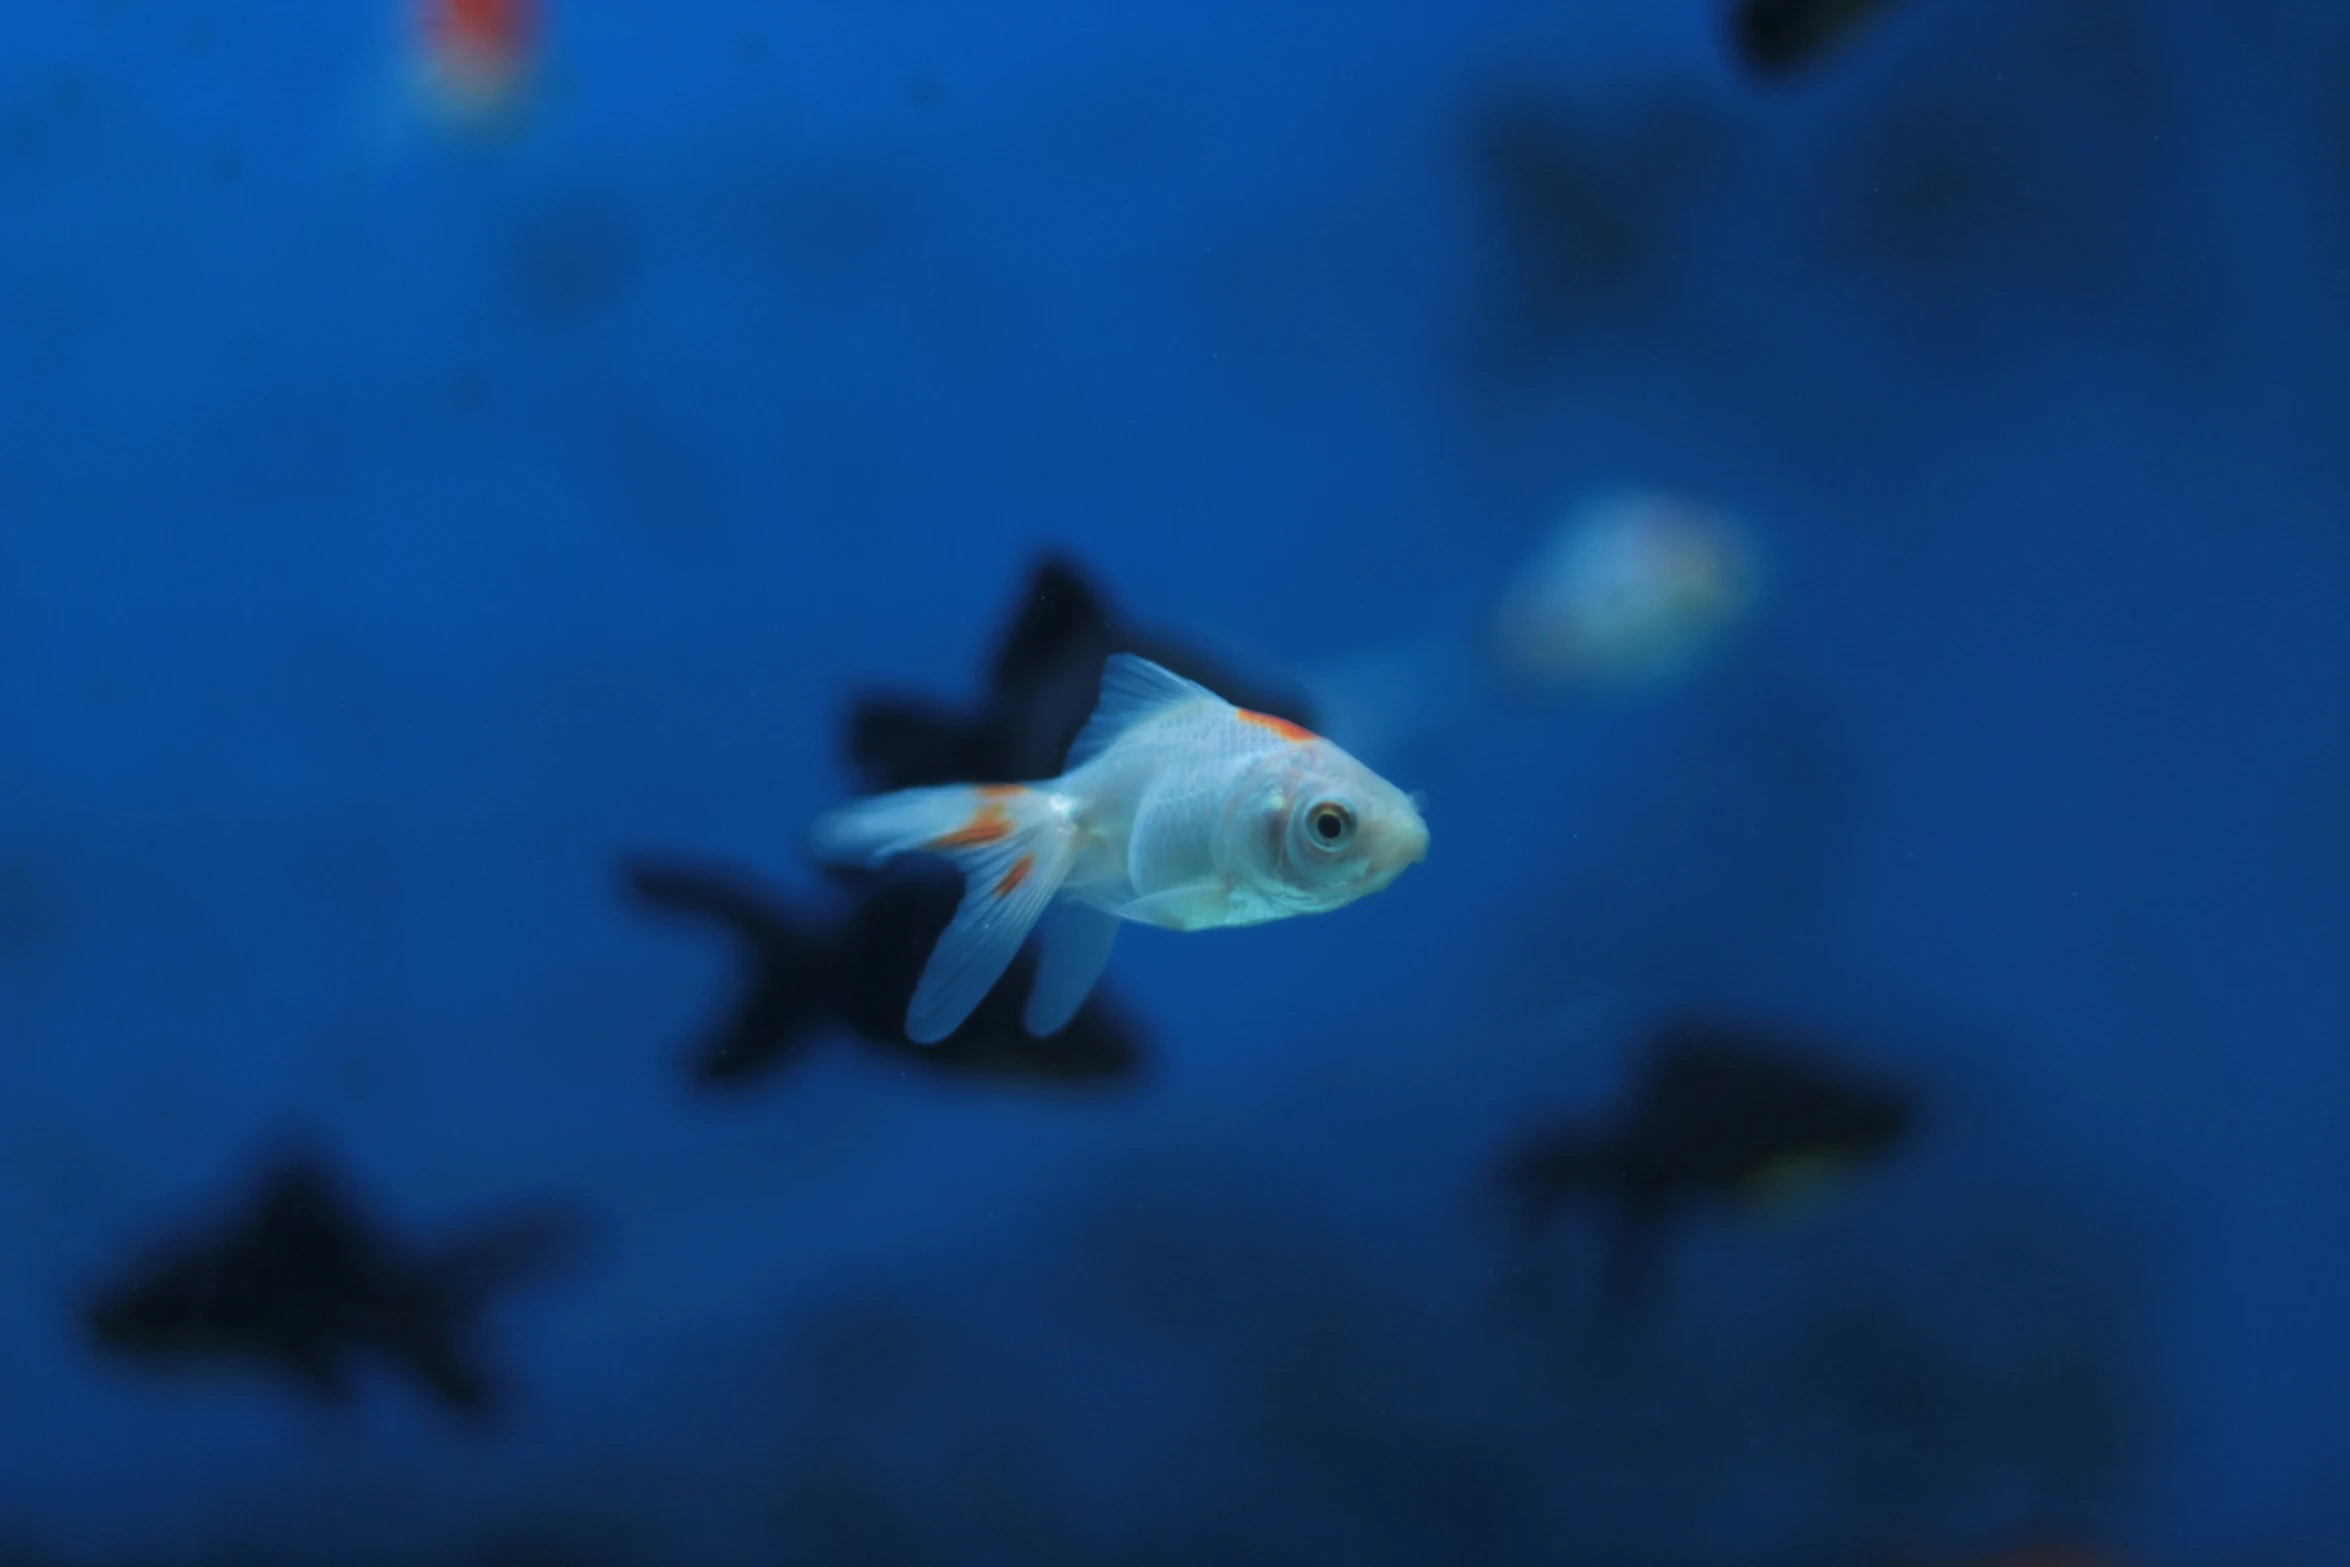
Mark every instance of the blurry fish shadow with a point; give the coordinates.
(804, 975)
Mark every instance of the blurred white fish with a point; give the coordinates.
(474, 62)
(1176, 809)
(1633, 588)
(469, 72)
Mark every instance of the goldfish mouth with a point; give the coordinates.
(1419, 799)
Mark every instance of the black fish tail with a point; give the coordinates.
(1558, 1168)
(443, 1362)
(1635, 1257)
(907, 743)
(471, 1272)
(790, 986)
(464, 1279)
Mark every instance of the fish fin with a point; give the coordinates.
(1014, 849)
(1560, 1165)
(1789, 1187)
(1077, 945)
(490, 1260)
(1179, 907)
(703, 891)
(319, 1369)
(305, 1204)
(443, 1362)
(1133, 689)
(1008, 884)
(899, 742)
(949, 819)
(1635, 1276)
(1063, 616)
(788, 987)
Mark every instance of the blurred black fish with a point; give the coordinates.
(1046, 679)
(858, 975)
(1589, 210)
(1774, 39)
(304, 1280)
(1722, 1110)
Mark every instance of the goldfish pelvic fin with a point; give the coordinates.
(1133, 689)
(1077, 942)
(1194, 905)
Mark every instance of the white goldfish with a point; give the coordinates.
(457, 72)
(1175, 809)
(1632, 588)
(475, 61)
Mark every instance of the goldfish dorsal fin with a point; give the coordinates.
(1133, 689)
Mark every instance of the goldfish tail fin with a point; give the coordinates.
(950, 819)
(1014, 850)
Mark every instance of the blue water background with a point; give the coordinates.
(381, 557)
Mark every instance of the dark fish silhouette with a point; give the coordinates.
(1588, 210)
(858, 974)
(1722, 1110)
(1046, 678)
(1778, 38)
(304, 1281)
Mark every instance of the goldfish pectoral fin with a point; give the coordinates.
(1133, 689)
(1008, 885)
(1194, 905)
(1077, 942)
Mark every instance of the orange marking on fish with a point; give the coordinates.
(1015, 876)
(1000, 791)
(1293, 733)
(478, 55)
(482, 27)
(987, 825)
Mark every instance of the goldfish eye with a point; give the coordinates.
(1329, 824)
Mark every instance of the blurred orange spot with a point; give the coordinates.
(1015, 876)
(987, 825)
(482, 27)
(1280, 726)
